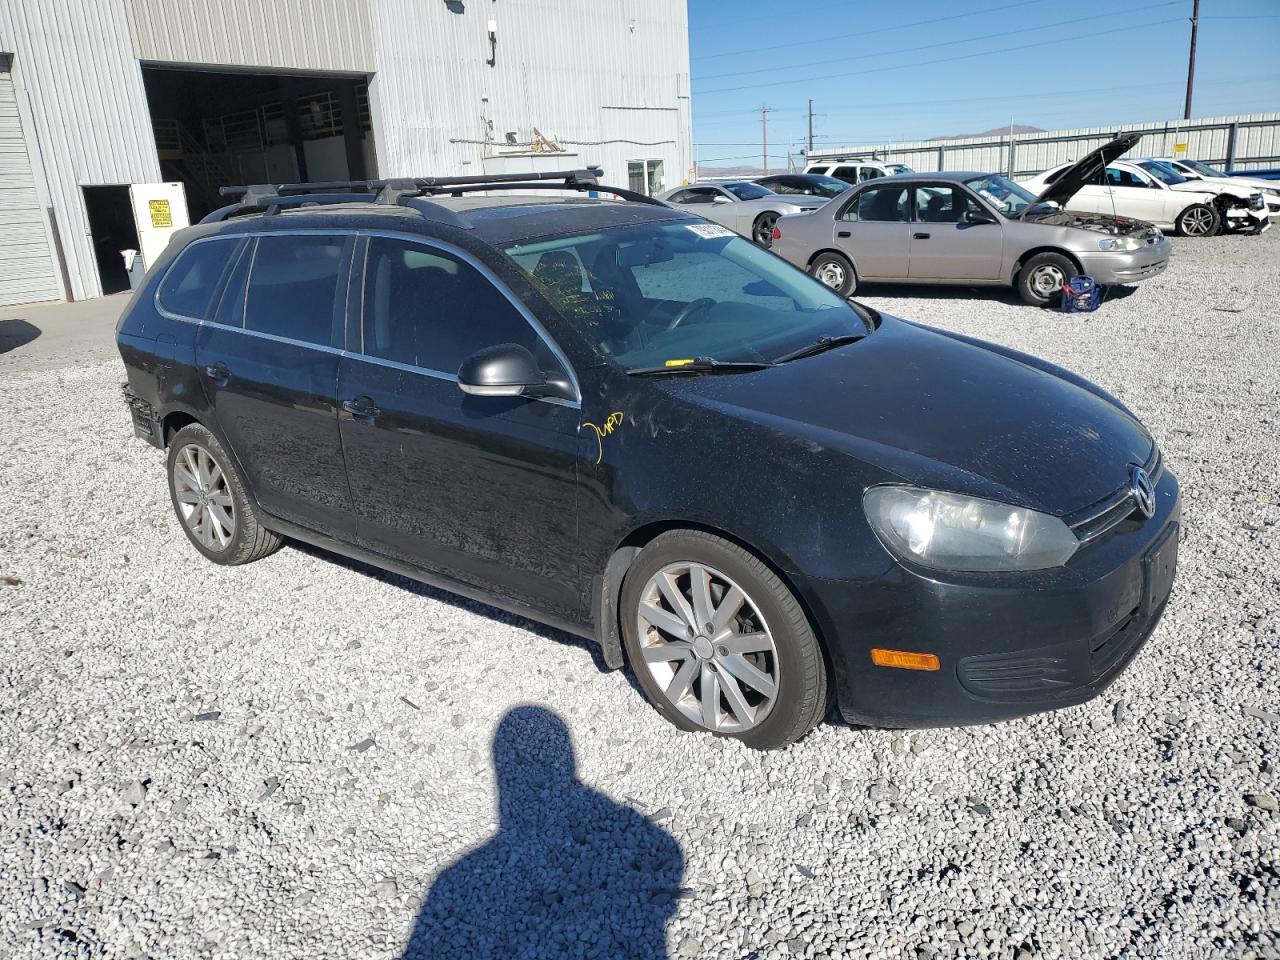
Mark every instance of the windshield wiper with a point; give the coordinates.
(820, 345)
(702, 365)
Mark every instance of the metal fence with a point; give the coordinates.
(1248, 141)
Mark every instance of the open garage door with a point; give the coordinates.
(27, 271)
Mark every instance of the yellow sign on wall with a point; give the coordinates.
(1179, 148)
(160, 215)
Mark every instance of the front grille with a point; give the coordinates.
(1096, 519)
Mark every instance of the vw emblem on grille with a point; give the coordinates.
(1144, 494)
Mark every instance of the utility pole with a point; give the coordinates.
(764, 137)
(1191, 63)
(810, 126)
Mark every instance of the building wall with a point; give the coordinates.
(79, 90)
(320, 35)
(589, 76)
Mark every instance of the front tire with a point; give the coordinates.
(1198, 220)
(719, 643)
(1041, 278)
(835, 271)
(209, 498)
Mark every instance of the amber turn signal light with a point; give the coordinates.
(903, 659)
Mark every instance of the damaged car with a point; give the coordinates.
(973, 229)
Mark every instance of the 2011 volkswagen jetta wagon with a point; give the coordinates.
(629, 423)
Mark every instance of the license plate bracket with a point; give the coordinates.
(1160, 566)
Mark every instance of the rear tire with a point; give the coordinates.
(1041, 278)
(835, 271)
(210, 500)
(762, 229)
(1198, 220)
(719, 644)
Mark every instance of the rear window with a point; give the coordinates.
(188, 288)
(293, 285)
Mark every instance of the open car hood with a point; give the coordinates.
(1085, 169)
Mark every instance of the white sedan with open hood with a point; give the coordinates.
(1125, 189)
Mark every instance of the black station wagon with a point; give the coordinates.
(624, 421)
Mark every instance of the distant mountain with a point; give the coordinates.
(747, 173)
(994, 132)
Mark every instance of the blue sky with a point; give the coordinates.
(911, 70)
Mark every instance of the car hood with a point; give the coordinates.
(1206, 186)
(1084, 170)
(942, 411)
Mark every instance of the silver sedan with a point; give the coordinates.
(744, 207)
(972, 229)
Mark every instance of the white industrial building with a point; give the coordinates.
(98, 95)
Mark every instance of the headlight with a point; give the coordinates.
(1119, 243)
(953, 532)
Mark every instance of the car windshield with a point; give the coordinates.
(897, 168)
(1002, 193)
(1162, 172)
(658, 294)
(1203, 168)
(747, 191)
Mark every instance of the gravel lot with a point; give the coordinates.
(305, 757)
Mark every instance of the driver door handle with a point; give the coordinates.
(920, 236)
(843, 234)
(361, 408)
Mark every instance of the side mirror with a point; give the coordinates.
(976, 217)
(719, 198)
(508, 370)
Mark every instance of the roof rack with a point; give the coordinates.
(270, 198)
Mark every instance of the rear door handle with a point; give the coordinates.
(361, 408)
(844, 234)
(920, 236)
(218, 373)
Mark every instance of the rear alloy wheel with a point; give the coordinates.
(1041, 279)
(762, 232)
(1198, 220)
(210, 501)
(836, 272)
(718, 642)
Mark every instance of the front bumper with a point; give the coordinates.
(1130, 266)
(1246, 218)
(1008, 645)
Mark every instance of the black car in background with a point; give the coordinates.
(806, 184)
(625, 421)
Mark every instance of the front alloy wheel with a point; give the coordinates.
(719, 643)
(707, 646)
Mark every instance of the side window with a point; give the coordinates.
(781, 186)
(940, 204)
(878, 205)
(847, 174)
(191, 282)
(293, 286)
(868, 173)
(429, 309)
(700, 195)
(680, 196)
(1119, 177)
(817, 170)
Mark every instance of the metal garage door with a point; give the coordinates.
(26, 262)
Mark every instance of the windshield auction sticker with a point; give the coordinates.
(708, 230)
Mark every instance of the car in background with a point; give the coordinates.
(1198, 170)
(972, 229)
(857, 169)
(1258, 218)
(805, 184)
(1125, 189)
(744, 207)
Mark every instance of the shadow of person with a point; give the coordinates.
(569, 873)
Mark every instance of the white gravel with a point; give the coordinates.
(286, 759)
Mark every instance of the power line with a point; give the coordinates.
(928, 46)
(1057, 41)
(867, 33)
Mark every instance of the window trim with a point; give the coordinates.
(344, 302)
(219, 288)
(489, 275)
